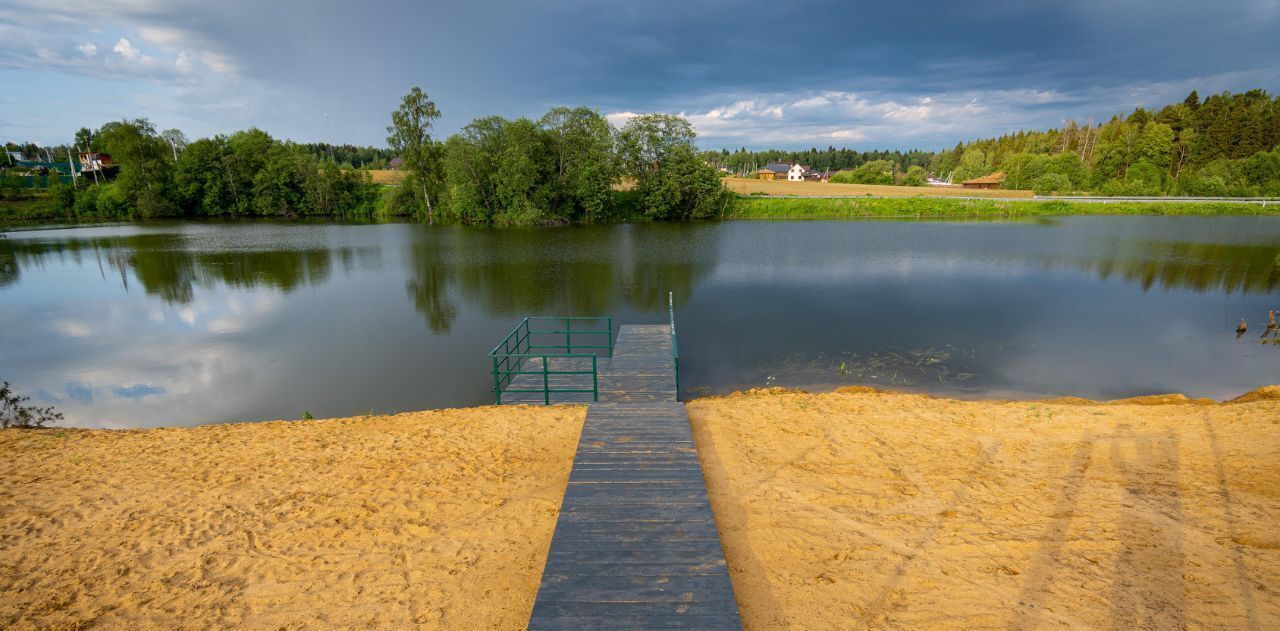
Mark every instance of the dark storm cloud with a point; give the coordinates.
(866, 74)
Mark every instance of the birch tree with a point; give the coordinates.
(410, 135)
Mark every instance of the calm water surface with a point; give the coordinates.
(187, 323)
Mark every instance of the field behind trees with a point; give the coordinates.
(782, 188)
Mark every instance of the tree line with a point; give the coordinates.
(570, 165)
(350, 156)
(162, 174)
(1227, 145)
(831, 159)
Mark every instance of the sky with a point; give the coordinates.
(866, 75)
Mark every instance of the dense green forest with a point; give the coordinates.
(351, 156)
(1227, 145)
(560, 168)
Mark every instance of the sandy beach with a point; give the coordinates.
(854, 509)
(875, 510)
(433, 520)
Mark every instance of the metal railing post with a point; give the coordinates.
(497, 389)
(675, 348)
(546, 386)
(568, 336)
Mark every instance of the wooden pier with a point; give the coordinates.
(636, 545)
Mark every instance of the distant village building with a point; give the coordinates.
(773, 171)
(396, 164)
(792, 172)
(986, 181)
(92, 162)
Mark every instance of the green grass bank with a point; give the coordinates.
(42, 209)
(34, 208)
(754, 207)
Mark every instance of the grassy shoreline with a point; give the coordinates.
(40, 210)
(842, 208)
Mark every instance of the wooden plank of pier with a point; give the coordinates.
(636, 545)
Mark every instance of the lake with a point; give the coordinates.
(182, 323)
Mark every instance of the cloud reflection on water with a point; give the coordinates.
(198, 322)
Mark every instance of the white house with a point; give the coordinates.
(796, 174)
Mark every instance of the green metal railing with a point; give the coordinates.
(675, 348)
(528, 343)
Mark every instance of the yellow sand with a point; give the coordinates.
(439, 519)
(876, 510)
(746, 186)
(844, 510)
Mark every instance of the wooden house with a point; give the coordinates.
(986, 181)
(773, 171)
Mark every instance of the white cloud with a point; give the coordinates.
(72, 328)
(851, 135)
(823, 99)
(128, 52)
(618, 119)
(164, 36)
(131, 40)
(808, 117)
(165, 61)
(873, 119)
(22, 48)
